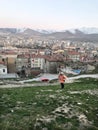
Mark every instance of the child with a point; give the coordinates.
(62, 79)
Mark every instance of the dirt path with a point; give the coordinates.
(27, 85)
(16, 84)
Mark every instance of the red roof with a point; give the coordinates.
(73, 53)
(51, 58)
(23, 56)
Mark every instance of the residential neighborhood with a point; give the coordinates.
(30, 56)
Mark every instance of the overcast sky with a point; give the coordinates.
(49, 14)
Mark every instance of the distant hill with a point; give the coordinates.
(92, 30)
(74, 35)
(31, 32)
(8, 30)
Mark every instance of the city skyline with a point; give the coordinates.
(48, 14)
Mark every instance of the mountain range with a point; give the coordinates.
(83, 34)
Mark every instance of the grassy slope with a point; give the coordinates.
(50, 108)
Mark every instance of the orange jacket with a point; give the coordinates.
(62, 78)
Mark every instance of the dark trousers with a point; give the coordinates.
(62, 85)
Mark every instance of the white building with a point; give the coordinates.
(37, 62)
(3, 69)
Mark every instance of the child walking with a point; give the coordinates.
(62, 79)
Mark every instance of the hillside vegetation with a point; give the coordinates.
(50, 108)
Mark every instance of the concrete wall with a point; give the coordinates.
(3, 69)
